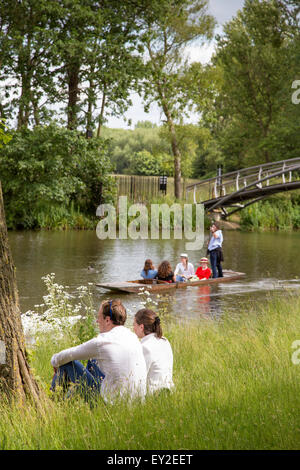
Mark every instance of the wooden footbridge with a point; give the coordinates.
(234, 191)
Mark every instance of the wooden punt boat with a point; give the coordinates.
(132, 287)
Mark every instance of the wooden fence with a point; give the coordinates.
(143, 188)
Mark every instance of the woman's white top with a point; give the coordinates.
(159, 362)
(181, 270)
(119, 356)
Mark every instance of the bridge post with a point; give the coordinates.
(215, 188)
(219, 179)
(237, 181)
(259, 177)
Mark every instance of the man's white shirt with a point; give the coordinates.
(120, 357)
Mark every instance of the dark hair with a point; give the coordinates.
(186, 261)
(164, 269)
(148, 265)
(150, 320)
(216, 224)
(115, 310)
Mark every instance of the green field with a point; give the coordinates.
(236, 387)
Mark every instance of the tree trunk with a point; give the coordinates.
(177, 165)
(100, 118)
(174, 143)
(89, 117)
(177, 156)
(15, 375)
(73, 92)
(23, 113)
(36, 113)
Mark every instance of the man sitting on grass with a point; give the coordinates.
(116, 363)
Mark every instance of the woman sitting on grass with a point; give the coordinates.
(165, 272)
(157, 350)
(149, 271)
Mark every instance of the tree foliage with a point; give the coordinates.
(144, 140)
(166, 36)
(5, 137)
(50, 169)
(147, 149)
(79, 56)
(248, 107)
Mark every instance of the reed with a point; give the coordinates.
(277, 213)
(58, 217)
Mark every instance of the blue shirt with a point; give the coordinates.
(150, 275)
(216, 242)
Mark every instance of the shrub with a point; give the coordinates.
(51, 175)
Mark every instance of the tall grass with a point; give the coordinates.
(277, 213)
(236, 388)
(58, 217)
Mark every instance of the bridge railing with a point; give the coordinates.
(227, 183)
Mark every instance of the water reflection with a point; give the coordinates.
(80, 257)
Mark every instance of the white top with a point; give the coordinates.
(159, 362)
(216, 242)
(180, 270)
(120, 357)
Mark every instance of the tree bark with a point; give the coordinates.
(73, 93)
(15, 375)
(177, 162)
(176, 153)
(89, 118)
(23, 113)
(100, 118)
(174, 144)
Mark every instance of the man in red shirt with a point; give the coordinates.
(203, 272)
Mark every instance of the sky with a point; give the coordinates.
(223, 11)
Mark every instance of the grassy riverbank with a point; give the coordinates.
(281, 212)
(236, 388)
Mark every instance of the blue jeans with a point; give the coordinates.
(215, 266)
(89, 378)
(180, 278)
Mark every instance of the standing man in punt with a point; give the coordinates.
(215, 250)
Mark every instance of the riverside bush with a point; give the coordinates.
(53, 177)
(277, 213)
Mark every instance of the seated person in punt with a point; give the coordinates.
(184, 270)
(165, 273)
(149, 271)
(203, 272)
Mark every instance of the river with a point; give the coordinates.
(270, 261)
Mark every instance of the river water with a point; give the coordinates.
(270, 261)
